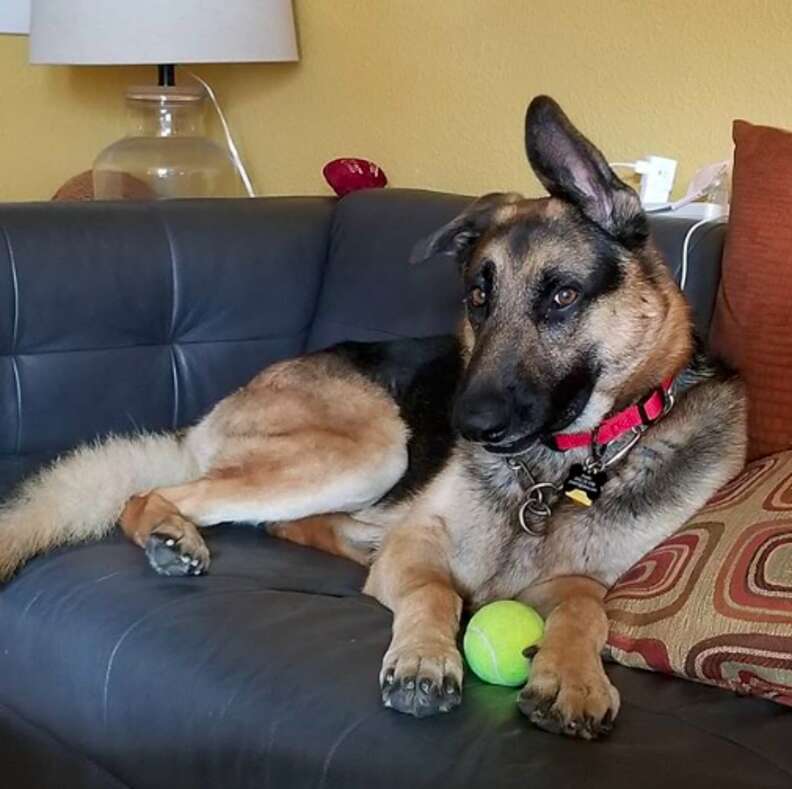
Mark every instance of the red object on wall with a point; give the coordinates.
(349, 175)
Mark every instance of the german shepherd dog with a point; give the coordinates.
(569, 427)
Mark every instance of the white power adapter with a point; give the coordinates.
(657, 178)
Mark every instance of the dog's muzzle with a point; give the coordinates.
(484, 418)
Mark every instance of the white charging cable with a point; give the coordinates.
(683, 274)
(232, 148)
(676, 205)
(717, 216)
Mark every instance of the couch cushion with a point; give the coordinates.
(33, 758)
(264, 674)
(142, 315)
(370, 292)
(713, 603)
(752, 326)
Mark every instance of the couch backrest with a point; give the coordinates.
(117, 317)
(370, 292)
(704, 243)
(124, 316)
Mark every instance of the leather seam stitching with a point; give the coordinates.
(271, 338)
(14, 339)
(172, 328)
(329, 254)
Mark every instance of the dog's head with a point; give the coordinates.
(570, 313)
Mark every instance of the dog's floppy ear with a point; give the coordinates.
(571, 168)
(460, 235)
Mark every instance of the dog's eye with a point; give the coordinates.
(477, 298)
(565, 297)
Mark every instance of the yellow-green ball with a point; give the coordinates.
(495, 639)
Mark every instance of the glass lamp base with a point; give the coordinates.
(165, 153)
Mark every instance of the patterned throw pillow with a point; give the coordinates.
(713, 603)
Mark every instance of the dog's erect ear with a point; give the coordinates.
(460, 235)
(571, 168)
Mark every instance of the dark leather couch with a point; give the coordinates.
(117, 317)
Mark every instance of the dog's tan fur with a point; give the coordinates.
(414, 579)
(303, 437)
(575, 618)
(313, 447)
(336, 533)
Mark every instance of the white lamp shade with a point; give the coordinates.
(161, 31)
(14, 16)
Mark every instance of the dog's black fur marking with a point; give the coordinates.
(522, 236)
(608, 273)
(422, 376)
(571, 393)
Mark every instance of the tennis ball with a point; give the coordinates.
(495, 639)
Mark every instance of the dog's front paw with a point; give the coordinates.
(569, 696)
(421, 679)
(177, 549)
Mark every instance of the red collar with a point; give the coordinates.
(645, 412)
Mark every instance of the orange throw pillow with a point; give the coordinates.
(752, 324)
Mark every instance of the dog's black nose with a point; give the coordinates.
(483, 418)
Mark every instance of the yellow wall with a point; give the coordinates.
(435, 90)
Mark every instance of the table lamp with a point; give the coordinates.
(165, 152)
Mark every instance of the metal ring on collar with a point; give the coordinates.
(538, 508)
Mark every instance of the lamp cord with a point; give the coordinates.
(232, 148)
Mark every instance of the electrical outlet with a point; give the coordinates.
(657, 178)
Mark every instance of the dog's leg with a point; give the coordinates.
(174, 545)
(280, 450)
(289, 477)
(568, 691)
(422, 669)
(336, 533)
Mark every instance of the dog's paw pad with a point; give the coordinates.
(420, 693)
(168, 556)
(554, 708)
(419, 697)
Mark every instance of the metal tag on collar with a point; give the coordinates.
(585, 482)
